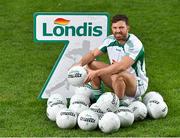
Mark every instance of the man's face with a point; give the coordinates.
(120, 30)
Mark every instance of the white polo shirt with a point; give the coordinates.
(132, 48)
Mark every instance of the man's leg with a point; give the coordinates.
(96, 82)
(105, 78)
(123, 84)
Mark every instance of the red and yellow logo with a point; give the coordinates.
(61, 21)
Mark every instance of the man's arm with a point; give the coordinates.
(89, 57)
(117, 67)
(114, 68)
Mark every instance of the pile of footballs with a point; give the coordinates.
(106, 113)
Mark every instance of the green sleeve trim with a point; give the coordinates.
(140, 54)
(103, 49)
(140, 58)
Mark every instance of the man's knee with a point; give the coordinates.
(92, 65)
(97, 65)
(123, 74)
(130, 82)
(127, 77)
(116, 78)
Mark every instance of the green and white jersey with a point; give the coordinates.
(132, 48)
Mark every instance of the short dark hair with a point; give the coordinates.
(120, 17)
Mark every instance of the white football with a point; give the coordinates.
(52, 111)
(78, 106)
(157, 108)
(126, 116)
(77, 75)
(96, 108)
(83, 91)
(126, 101)
(56, 99)
(109, 122)
(108, 102)
(87, 120)
(80, 98)
(139, 109)
(66, 118)
(152, 95)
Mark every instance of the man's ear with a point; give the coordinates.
(128, 27)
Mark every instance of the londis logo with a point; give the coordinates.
(62, 29)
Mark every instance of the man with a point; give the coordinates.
(126, 74)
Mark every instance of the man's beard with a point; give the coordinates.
(121, 37)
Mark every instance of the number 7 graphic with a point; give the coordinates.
(80, 32)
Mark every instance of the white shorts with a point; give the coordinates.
(141, 87)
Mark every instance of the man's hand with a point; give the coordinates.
(91, 75)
